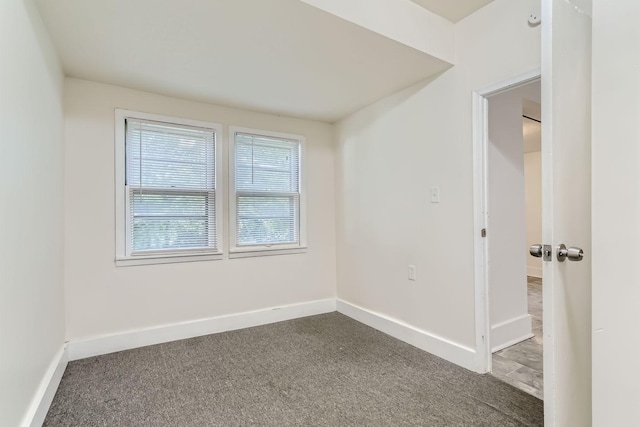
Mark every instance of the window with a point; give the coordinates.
(167, 190)
(266, 195)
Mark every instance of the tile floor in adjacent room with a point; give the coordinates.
(521, 365)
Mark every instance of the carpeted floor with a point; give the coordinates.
(326, 370)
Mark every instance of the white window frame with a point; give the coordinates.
(276, 249)
(123, 258)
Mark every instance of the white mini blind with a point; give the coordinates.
(267, 190)
(170, 186)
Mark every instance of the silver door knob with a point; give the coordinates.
(574, 254)
(536, 250)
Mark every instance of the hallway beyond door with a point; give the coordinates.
(521, 365)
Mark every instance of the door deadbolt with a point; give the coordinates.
(536, 250)
(574, 254)
(541, 251)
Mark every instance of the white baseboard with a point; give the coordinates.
(534, 272)
(511, 332)
(95, 346)
(46, 390)
(441, 347)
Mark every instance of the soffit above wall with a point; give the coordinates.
(401, 20)
(453, 10)
(278, 56)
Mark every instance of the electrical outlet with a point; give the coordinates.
(412, 272)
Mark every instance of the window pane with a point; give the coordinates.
(169, 156)
(169, 233)
(266, 220)
(159, 204)
(171, 220)
(170, 174)
(253, 179)
(266, 164)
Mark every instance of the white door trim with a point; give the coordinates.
(480, 203)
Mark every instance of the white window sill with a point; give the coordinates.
(264, 251)
(166, 259)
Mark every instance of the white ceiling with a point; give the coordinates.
(453, 10)
(277, 56)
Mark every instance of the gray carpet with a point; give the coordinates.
(326, 370)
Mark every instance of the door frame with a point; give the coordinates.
(480, 122)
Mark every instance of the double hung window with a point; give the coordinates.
(266, 197)
(170, 199)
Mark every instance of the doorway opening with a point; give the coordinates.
(508, 190)
(515, 219)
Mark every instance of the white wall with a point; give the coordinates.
(31, 212)
(391, 153)
(616, 213)
(104, 299)
(510, 321)
(533, 208)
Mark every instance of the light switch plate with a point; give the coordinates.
(435, 195)
(412, 272)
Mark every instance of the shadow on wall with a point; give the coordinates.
(387, 105)
(47, 51)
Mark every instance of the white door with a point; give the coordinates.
(616, 213)
(566, 206)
